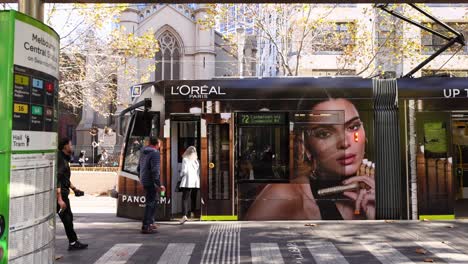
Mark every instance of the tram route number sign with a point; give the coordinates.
(262, 118)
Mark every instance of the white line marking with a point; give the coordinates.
(237, 230)
(225, 242)
(266, 253)
(325, 252)
(221, 244)
(386, 253)
(205, 251)
(118, 254)
(179, 253)
(444, 251)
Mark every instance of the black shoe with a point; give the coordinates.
(77, 246)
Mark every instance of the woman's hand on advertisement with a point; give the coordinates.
(365, 197)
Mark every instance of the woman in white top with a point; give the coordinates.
(189, 179)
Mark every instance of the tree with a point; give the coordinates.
(93, 48)
(371, 42)
(291, 30)
(384, 45)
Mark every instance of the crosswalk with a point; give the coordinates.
(223, 245)
(444, 251)
(266, 253)
(325, 252)
(274, 253)
(179, 253)
(385, 253)
(118, 254)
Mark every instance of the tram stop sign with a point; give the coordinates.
(29, 73)
(136, 91)
(93, 131)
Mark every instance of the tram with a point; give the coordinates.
(283, 148)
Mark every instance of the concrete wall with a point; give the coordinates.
(94, 182)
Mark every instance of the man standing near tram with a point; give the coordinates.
(63, 190)
(149, 173)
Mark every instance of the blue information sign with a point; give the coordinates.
(38, 83)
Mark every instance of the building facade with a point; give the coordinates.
(189, 50)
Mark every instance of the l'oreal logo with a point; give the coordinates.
(196, 92)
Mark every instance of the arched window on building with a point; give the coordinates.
(168, 58)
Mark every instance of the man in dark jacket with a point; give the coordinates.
(149, 172)
(63, 189)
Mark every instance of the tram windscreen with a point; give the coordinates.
(142, 126)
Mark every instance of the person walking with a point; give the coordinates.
(63, 190)
(149, 172)
(81, 158)
(189, 180)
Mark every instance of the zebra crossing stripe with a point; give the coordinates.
(444, 251)
(222, 244)
(266, 253)
(177, 253)
(325, 252)
(385, 253)
(118, 254)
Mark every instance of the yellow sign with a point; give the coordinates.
(211, 165)
(21, 79)
(21, 108)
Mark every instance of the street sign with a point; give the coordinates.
(93, 131)
(95, 144)
(29, 52)
(136, 91)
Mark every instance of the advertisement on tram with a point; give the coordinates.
(301, 148)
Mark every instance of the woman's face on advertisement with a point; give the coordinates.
(338, 149)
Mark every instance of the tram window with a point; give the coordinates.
(187, 135)
(143, 124)
(218, 155)
(263, 153)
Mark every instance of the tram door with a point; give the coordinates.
(217, 181)
(460, 161)
(434, 164)
(185, 132)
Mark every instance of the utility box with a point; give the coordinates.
(29, 72)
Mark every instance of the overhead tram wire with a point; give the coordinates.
(451, 57)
